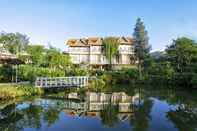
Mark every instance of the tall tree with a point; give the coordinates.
(110, 48)
(60, 61)
(37, 54)
(182, 53)
(14, 42)
(57, 60)
(142, 47)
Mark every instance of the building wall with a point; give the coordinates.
(94, 55)
(79, 50)
(125, 59)
(126, 49)
(96, 50)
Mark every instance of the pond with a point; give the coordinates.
(134, 110)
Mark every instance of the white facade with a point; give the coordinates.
(89, 51)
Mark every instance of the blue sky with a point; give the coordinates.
(54, 21)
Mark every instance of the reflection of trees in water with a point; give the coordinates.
(171, 95)
(10, 118)
(13, 119)
(8, 110)
(184, 118)
(32, 116)
(109, 115)
(141, 118)
(51, 116)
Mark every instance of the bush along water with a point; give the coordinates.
(123, 76)
(9, 91)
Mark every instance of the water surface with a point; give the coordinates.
(132, 110)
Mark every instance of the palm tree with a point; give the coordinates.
(111, 45)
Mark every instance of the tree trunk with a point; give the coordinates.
(140, 70)
(110, 61)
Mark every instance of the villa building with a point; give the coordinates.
(90, 51)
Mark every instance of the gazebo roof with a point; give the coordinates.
(8, 58)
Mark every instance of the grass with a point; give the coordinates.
(11, 91)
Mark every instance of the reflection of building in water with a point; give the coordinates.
(73, 96)
(106, 97)
(94, 103)
(97, 101)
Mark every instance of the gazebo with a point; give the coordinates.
(10, 59)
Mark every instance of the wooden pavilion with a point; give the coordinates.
(8, 58)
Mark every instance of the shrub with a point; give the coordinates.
(161, 72)
(107, 77)
(97, 84)
(9, 91)
(125, 76)
(6, 72)
(76, 71)
(194, 81)
(29, 73)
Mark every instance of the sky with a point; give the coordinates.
(54, 21)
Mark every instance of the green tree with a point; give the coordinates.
(37, 53)
(14, 42)
(142, 47)
(161, 72)
(182, 52)
(59, 61)
(111, 45)
(50, 52)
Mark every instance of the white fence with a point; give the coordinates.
(52, 82)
